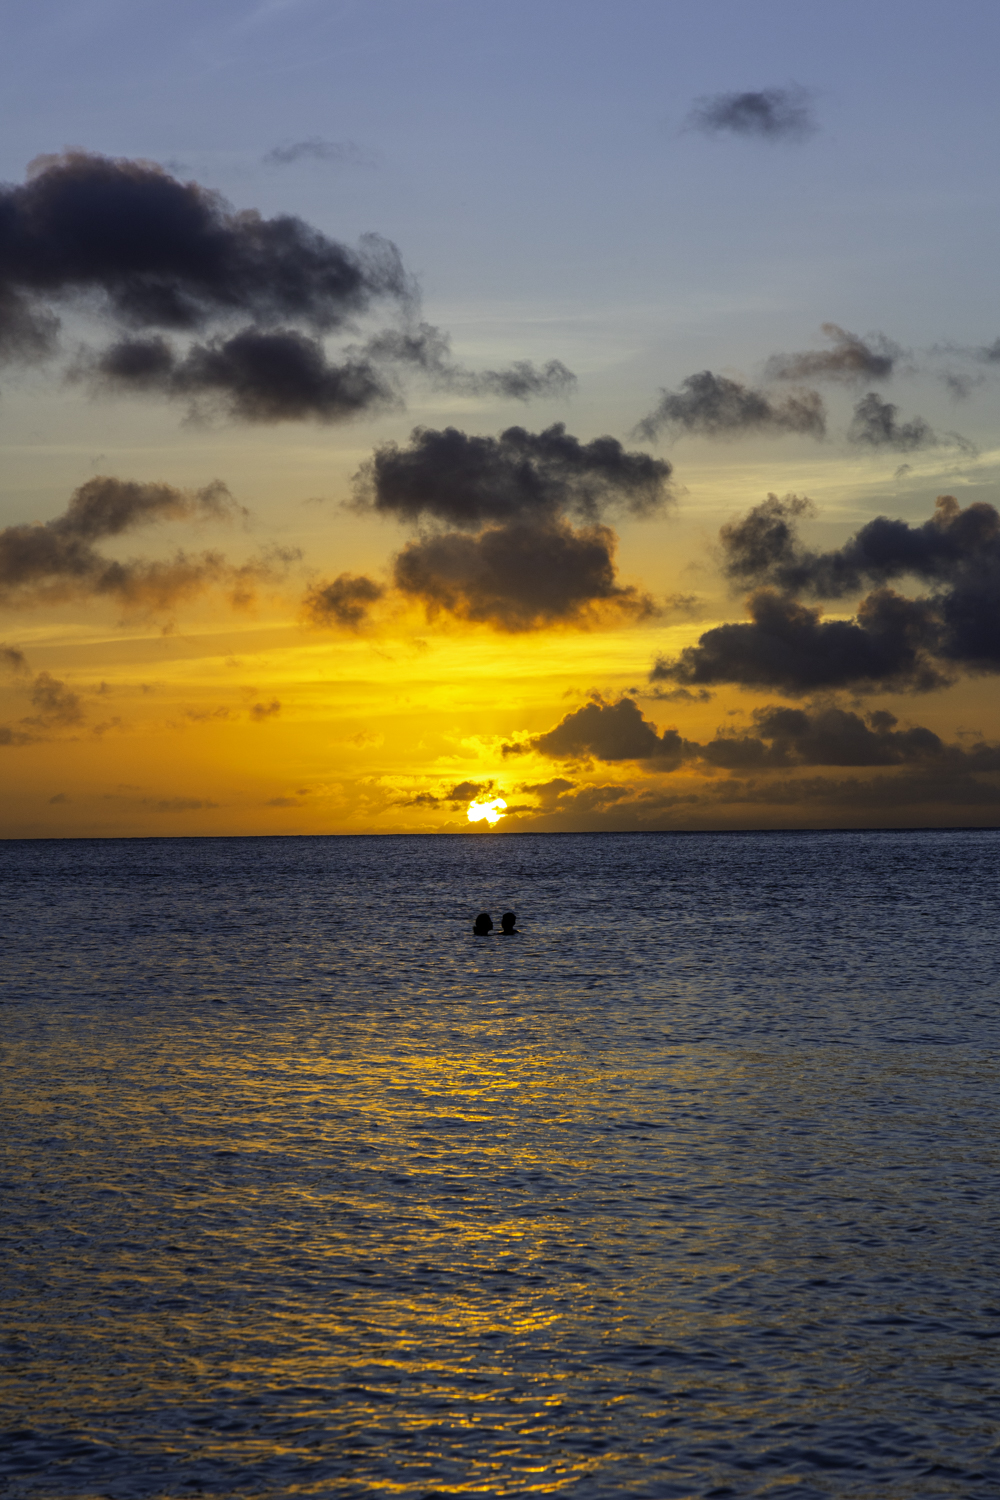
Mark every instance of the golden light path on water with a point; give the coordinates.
(491, 811)
(688, 1189)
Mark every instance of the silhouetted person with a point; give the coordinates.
(507, 924)
(483, 925)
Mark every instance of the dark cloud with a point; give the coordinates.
(824, 736)
(959, 385)
(13, 660)
(521, 576)
(767, 114)
(341, 153)
(27, 333)
(673, 695)
(715, 406)
(467, 791)
(690, 605)
(261, 711)
(851, 358)
(345, 602)
(548, 790)
(55, 703)
(468, 481)
(786, 646)
(528, 566)
(764, 548)
(58, 559)
(781, 739)
(419, 799)
(874, 425)
(767, 760)
(160, 253)
(880, 800)
(10, 737)
(608, 732)
(956, 551)
(282, 375)
(457, 796)
(429, 349)
(763, 545)
(152, 256)
(878, 796)
(261, 376)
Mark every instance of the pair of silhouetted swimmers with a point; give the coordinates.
(483, 925)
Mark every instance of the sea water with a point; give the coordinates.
(689, 1189)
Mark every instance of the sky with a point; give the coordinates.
(406, 406)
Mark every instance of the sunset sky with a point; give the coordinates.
(403, 404)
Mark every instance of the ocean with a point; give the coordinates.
(688, 1189)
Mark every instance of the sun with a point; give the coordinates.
(491, 811)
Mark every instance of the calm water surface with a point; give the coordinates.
(688, 1190)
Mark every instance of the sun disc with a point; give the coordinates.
(492, 812)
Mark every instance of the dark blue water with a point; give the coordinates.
(689, 1190)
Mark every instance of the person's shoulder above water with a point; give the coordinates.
(483, 925)
(507, 924)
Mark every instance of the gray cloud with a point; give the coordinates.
(261, 711)
(12, 659)
(428, 349)
(782, 738)
(345, 602)
(870, 801)
(468, 481)
(608, 732)
(825, 736)
(162, 260)
(893, 644)
(276, 375)
(521, 576)
(55, 703)
(851, 359)
(763, 546)
(58, 559)
(715, 406)
(776, 114)
(548, 790)
(165, 254)
(528, 566)
(956, 551)
(875, 425)
(456, 797)
(339, 153)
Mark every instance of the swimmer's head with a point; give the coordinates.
(483, 925)
(507, 921)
